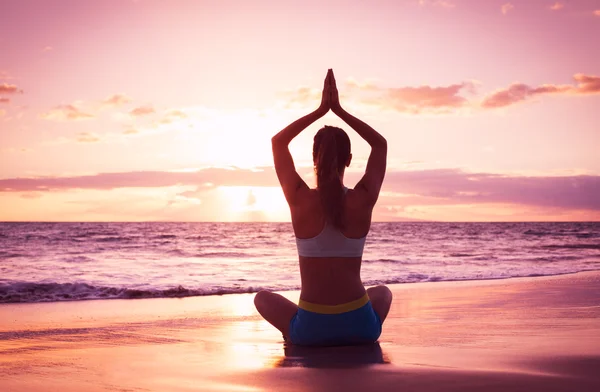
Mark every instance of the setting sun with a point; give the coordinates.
(255, 203)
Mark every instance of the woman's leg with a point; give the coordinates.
(276, 309)
(381, 300)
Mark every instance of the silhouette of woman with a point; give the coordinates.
(331, 224)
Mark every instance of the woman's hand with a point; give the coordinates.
(326, 97)
(330, 98)
(334, 97)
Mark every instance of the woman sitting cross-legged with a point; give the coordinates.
(331, 224)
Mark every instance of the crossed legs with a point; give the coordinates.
(278, 310)
(381, 300)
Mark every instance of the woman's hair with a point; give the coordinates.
(331, 150)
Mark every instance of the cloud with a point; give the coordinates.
(437, 3)
(557, 6)
(518, 92)
(587, 84)
(142, 111)
(130, 132)
(66, 113)
(116, 100)
(418, 99)
(198, 192)
(6, 88)
(107, 181)
(415, 100)
(173, 115)
(47, 49)
(515, 93)
(301, 96)
(449, 187)
(447, 99)
(176, 114)
(31, 195)
(506, 8)
(4, 100)
(366, 85)
(87, 137)
(453, 186)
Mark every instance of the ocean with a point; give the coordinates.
(41, 262)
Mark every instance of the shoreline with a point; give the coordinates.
(529, 334)
(174, 289)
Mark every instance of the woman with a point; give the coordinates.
(331, 223)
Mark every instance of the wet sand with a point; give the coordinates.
(526, 334)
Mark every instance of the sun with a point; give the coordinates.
(246, 203)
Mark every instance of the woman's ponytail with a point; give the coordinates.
(330, 153)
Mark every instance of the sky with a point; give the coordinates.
(139, 110)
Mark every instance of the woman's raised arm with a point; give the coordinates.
(376, 165)
(291, 183)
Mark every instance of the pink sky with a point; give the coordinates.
(151, 110)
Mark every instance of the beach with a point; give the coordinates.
(536, 333)
(162, 162)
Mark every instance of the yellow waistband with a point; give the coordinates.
(334, 309)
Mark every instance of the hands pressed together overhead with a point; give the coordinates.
(331, 98)
(331, 101)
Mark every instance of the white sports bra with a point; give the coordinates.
(331, 242)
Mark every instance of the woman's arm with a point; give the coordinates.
(376, 165)
(285, 136)
(370, 135)
(291, 183)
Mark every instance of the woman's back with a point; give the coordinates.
(308, 218)
(330, 274)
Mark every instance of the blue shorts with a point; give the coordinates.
(321, 325)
